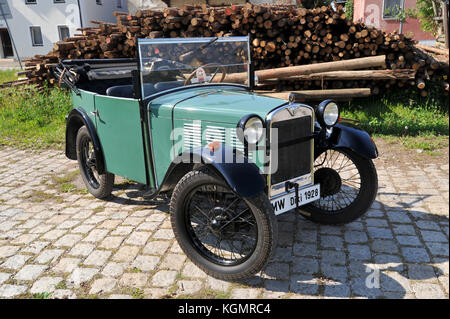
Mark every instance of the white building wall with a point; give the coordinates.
(90, 10)
(49, 15)
(45, 14)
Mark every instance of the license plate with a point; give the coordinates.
(287, 202)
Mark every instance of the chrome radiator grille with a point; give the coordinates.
(291, 147)
(294, 158)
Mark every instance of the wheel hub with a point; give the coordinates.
(329, 179)
(219, 222)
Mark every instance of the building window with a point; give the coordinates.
(30, 1)
(36, 36)
(119, 3)
(5, 8)
(59, 1)
(391, 8)
(63, 32)
(99, 2)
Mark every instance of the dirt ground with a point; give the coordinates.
(391, 150)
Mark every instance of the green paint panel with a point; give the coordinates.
(226, 104)
(85, 101)
(120, 134)
(219, 106)
(161, 131)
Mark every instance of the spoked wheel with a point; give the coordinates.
(99, 185)
(348, 187)
(227, 236)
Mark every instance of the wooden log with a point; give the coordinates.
(63, 46)
(319, 95)
(286, 72)
(445, 86)
(432, 49)
(337, 94)
(420, 84)
(354, 75)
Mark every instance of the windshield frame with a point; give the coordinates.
(200, 40)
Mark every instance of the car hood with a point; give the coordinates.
(225, 104)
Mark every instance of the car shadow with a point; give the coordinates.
(338, 261)
(136, 194)
(356, 265)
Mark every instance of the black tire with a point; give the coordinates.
(99, 185)
(360, 204)
(260, 208)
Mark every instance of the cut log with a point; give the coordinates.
(354, 75)
(286, 72)
(319, 95)
(432, 49)
(420, 84)
(288, 42)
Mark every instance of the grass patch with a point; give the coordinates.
(64, 184)
(66, 178)
(67, 188)
(29, 118)
(40, 196)
(390, 115)
(61, 285)
(207, 293)
(7, 76)
(44, 295)
(137, 293)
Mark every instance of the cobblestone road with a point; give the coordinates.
(58, 242)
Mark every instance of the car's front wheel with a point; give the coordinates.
(99, 185)
(228, 237)
(348, 187)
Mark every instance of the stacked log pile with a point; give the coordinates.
(281, 36)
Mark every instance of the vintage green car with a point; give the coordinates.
(182, 119)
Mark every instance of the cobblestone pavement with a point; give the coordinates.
(58, 242)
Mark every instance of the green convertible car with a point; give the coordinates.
(182, 119)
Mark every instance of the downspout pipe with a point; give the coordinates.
(400, 29)
(81, 16)
(10, 36)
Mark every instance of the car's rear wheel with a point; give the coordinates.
(229, 237)
(99, 185)
(348, 187)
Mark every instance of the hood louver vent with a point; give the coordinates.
(192, 135)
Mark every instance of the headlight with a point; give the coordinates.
(250, 129)
(328, 113)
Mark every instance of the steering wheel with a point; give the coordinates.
(218, 66)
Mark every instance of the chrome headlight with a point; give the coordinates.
(250, 129)
(328, 113)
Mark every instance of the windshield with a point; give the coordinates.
(170, 63)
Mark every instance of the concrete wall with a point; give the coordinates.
(134, 5)
(90, 10)
(371, 13)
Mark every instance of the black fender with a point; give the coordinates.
(242, 175)
(74, 121)
(355, 139)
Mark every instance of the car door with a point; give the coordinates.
(119, 129)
